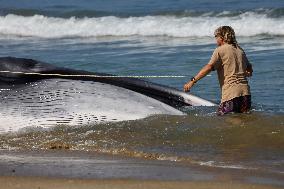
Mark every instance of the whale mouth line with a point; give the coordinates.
(93, 76)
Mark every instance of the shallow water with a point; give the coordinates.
(234, 141)
(158, 38)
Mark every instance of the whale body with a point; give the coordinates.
(34, 93)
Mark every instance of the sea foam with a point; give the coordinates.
(246, 24)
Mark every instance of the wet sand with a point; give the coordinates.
(70, 169)
(42, 183)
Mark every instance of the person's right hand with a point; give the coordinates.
(187, 86)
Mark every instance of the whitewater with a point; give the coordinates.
(246, 24)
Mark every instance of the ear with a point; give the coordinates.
(222, 40)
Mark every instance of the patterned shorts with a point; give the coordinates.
(240, 104)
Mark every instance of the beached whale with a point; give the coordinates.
(34, 93)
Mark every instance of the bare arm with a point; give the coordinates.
(202, 73)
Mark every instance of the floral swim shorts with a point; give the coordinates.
(240, 104)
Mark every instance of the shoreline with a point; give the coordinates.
(12, 182)
(43, 169)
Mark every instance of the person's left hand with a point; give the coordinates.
(188, 86)
(249, 71)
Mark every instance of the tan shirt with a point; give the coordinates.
(231, 64)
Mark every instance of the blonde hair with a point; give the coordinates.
(227, 33)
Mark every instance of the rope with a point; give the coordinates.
(100, 76)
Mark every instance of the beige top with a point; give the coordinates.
(231, 64)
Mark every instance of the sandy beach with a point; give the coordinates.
(42, 183)
(68, 170)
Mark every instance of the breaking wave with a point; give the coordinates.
(184, 25)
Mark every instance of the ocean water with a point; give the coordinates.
(135, 37)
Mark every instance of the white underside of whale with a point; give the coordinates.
(51, 102)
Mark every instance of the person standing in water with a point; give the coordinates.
(233, 68)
